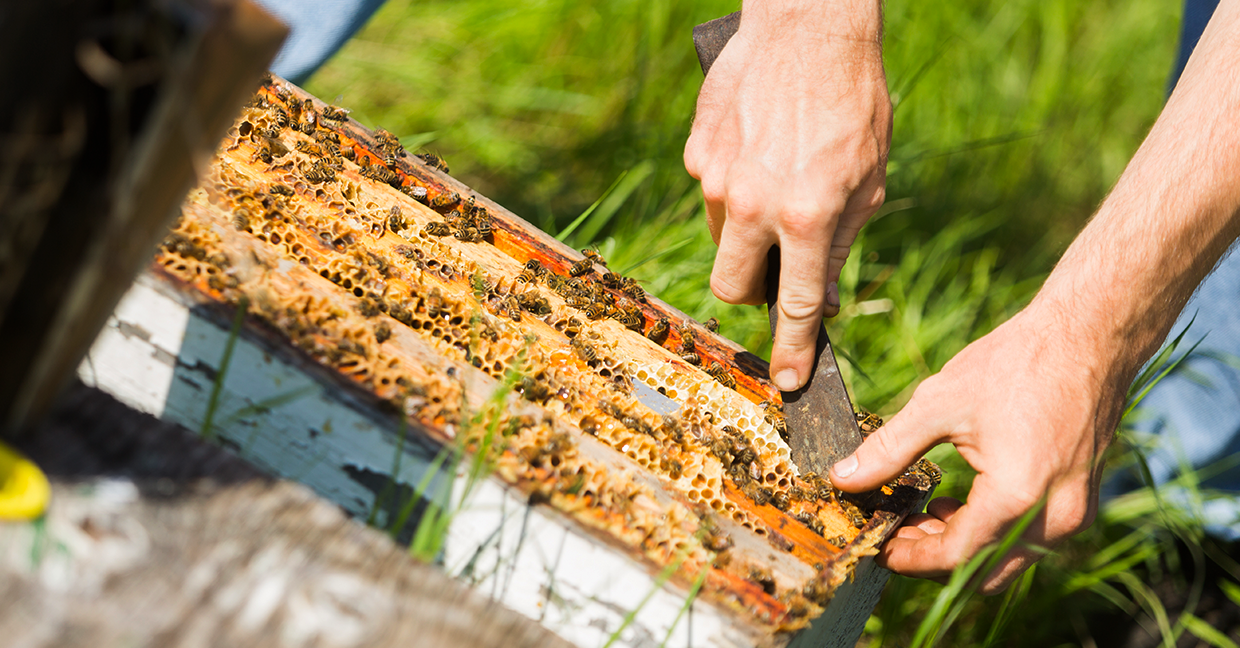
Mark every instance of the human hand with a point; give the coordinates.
(1031, 407)
(790, 142)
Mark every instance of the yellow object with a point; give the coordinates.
(24, 490)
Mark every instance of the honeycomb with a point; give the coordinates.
(373, 262)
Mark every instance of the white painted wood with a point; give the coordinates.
(159, 356)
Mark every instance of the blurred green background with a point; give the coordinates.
(1012, 121)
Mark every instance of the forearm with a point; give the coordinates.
(1173, 213)
(860, 20)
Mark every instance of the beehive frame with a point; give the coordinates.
(417, 299)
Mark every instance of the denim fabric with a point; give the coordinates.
(1192, 417)
(319, 28)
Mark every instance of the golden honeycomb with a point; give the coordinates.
(373, 262)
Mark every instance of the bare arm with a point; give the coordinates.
(790, 142)
(1033, 405)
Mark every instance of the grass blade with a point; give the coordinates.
(217, 386)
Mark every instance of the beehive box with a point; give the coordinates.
(623, 472)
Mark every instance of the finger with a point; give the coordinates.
(1008, 570)
(893, 448)
(802, 293)
(983, 520)
(925, 523)
(739, 273)
(841, 244)
(943, 508)
(714, 197)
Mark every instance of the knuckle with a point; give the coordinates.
(803, 222)
(725, 289)
(712, 189)
(745, 203)
(800, 307)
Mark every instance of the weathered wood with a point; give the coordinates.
(157, 538)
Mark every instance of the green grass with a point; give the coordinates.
(1012, 121)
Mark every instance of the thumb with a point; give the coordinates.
(888, 452)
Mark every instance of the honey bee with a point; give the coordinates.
(280, 190)
(526, 276)
(580, 302)
(309, 148)
(281, 117)
(855, 516)
(712, 325)
(396, 222)
(535, 266)
(437, 228)
(716, 540)
(335, 113)
(760, 494)
(271, 147)
(611, 280)
(658, 332)
(445, 201)
(838, 541)
(673, 468)
(434, 161)
(762, 576)
(581, 267)
(868, 422)
(631, 317)
(810, 521)
(381, 174)
(385, 138)
(595, 310)
(320, 172)
(633, 289)
(739, 474)
(534, 303)
(309, 121)
(692, 358)
(717, 372)
(511, 307)
(688, 342)
(383, 332)
(774, 414)
(482, 220)
(326, 136)
(572, 328)
(584, 350)
(240, 222)
(416, 192)
(533, 390)
(594, 257)
(467, 234)
(781, 500)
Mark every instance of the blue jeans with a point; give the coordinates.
(319, 28)
(1192, 417)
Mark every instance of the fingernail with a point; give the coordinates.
(787, 380)
(847, 466)
(833, 294)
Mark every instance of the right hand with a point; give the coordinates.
(1031, 406)
(790, 141)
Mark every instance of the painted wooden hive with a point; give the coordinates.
(624, 473)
